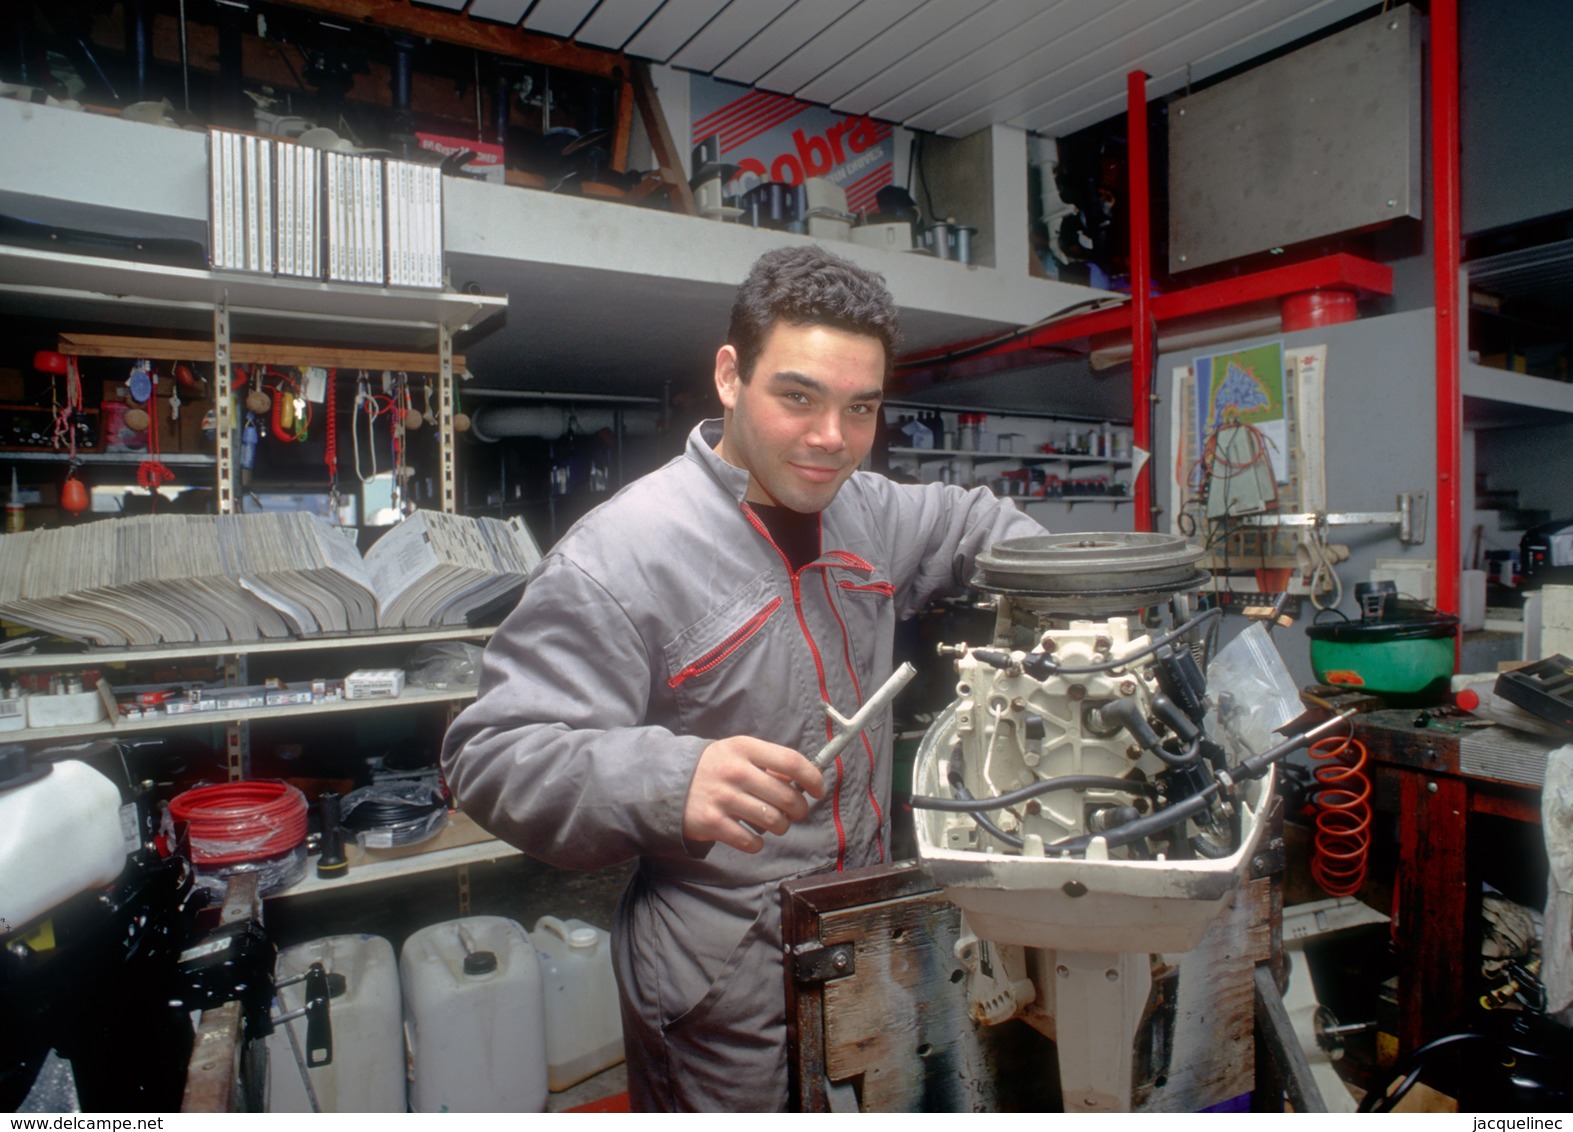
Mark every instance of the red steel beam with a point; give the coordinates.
(1141, 293)
(1446, 256)
(1339, 270)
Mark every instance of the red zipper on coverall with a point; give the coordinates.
(819, 668)
(729, 646)
(857, 688)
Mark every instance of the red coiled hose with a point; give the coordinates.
(237, 822)
(1343, 816)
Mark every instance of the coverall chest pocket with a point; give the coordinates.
(713, 663)
(866, 609)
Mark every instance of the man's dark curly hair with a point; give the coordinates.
(808, 286)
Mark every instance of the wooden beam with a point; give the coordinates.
(666, 152)
(250, 353)
(459, 29)
(624, 132)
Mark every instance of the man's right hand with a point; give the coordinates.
(744, 779)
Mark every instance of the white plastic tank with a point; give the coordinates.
(367, 1070)
(584, 1025)
(60, 834)
(473, 1017)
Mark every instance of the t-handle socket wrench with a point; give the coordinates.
(851, 727)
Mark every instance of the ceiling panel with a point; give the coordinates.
(783, 35)
(1094, 64)
(498, 11)
(449, 5)
(982, 25)
(861, 23)
(734, 26)
(673, 25)
(1082, 30)
(947, 66)
(891, 48)
(999, 52)
(558, 17)
(1208, 39)
(614, 22)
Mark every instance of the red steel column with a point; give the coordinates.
(1446, 255)
(1141, 293)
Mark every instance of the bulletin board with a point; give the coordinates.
(1247, 433)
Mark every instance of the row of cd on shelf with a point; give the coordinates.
(277, 207)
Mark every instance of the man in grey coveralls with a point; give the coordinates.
(662, 677)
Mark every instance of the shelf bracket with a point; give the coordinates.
(445, 445)
(223, 408)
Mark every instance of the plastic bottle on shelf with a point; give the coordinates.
(916, 434)
(936, 426)
(967, 432)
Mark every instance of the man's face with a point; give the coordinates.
(803, 423)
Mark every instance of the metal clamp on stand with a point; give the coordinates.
(1409, 518)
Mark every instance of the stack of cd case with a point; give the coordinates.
(279, 208)
(241, 213)
(414, 198)
(356, 218)
(299, 223)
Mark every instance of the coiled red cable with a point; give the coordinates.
(236, 822)
(330, 455)
(1343, 816)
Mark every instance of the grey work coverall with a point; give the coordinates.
(667, 619)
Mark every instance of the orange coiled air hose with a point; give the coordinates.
(1343, 816)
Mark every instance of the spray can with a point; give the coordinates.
(248, 443)
(15, 516)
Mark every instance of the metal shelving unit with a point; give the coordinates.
(105, 729)
(340, 319)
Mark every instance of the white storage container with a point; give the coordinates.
(367, 1070)
(60, 834)
(584, 1025)
(64, 709)
(473, 1018)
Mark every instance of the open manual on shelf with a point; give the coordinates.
(435, 569)
(183, 579)
(303, 567)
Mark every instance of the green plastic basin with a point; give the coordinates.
(1407, 662)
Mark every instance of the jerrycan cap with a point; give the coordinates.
(480, 963)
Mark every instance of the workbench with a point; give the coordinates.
(1436, 775)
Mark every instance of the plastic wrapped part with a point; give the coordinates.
(241, 822)
(54, 1089)
(1252, 694)
(395, 812)
(445, 664)
(1556, 819)
(274, 874)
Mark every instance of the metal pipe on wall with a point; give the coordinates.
(1141, 295)
(492, 423)
(1446, 255)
